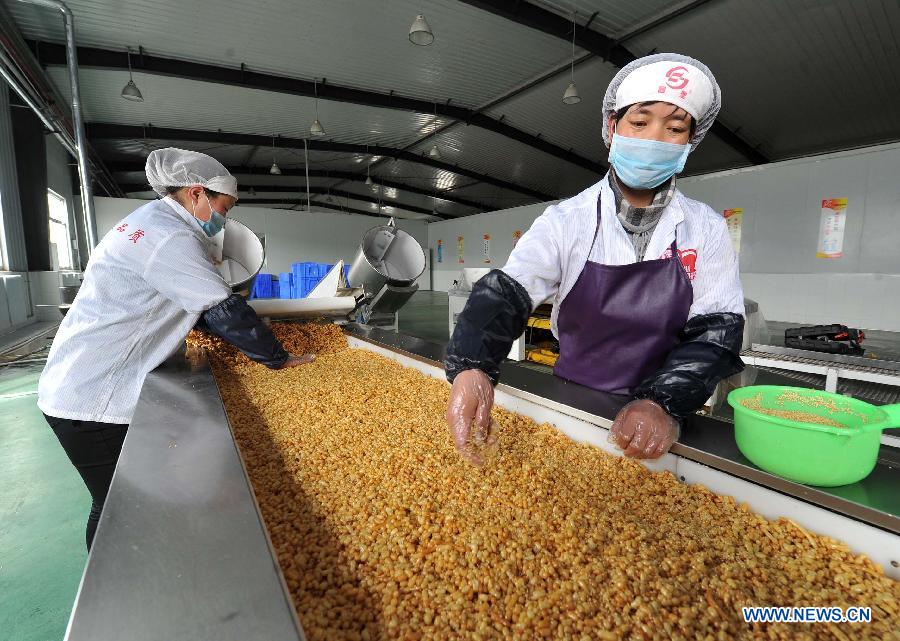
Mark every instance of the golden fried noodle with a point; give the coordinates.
(384, 532)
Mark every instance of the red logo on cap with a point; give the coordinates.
(675, 78)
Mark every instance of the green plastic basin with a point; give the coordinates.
(805, 451)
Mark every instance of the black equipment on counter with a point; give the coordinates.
(831, 339)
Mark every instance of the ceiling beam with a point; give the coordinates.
(109, 131)
(541, 19)
(315, 204)
(236, 170)
(337, 193)
(658, 19)
(55, 54)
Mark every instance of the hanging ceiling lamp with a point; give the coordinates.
(434, 152)
(131, 91)
(275, 170)
(420, 33)
(316, 129)
(571, 97)
(369, 180)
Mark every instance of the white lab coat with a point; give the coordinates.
(551, 255)
(146, 285)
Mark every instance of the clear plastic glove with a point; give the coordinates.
(469, 416)
(643, 429)
(295, 361)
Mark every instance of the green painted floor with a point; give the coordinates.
(43, 509)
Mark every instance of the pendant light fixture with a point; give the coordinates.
(571, 97)
(316, 129)
(434, 152)
(369, 180)
(275, 170)
(420, 33)
(131, 91)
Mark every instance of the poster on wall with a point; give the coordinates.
(734, 219)
(831, 228)
(486, 248)
(516, 236)
(461, 249)
(440, 251)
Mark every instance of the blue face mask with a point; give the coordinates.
(646, 164)
(215, 223)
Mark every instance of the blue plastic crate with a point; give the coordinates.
(262, 286)
(285, 285)
(306, 277)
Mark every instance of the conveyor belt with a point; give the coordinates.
(870, 392)
(752, 354)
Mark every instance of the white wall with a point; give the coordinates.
(782, 210)
(291, 236)
(500, 225)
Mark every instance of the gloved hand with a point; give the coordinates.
(471, 400)
(294, 361)
(643, 429)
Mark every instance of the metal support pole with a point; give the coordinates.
(84, 174)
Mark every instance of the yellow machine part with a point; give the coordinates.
(538, 322)
(543, 356)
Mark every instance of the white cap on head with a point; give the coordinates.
(172, 167)
(677, 83)
(666, 77)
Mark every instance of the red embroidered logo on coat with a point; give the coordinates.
(136, 236)
(688, 258)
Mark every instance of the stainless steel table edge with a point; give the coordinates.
(262, 521)
(423, 351)
(116, 597)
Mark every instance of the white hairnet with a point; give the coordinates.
(702, 101)
(172, 167)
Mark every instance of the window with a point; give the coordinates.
(60, 241)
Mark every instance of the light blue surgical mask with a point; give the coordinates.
(646, 164)
(215, 223)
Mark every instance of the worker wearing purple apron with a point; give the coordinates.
(644, 282)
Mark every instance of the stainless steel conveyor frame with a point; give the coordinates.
(181, 551)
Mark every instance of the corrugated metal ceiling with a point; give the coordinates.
(188, 104)
(491, 153)
(474, 57)
(612, 17)
(540, 110)
(797, 77)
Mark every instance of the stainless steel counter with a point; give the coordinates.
(707, 440)
(181, 551)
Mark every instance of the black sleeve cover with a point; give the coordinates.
(494, 316)
(707, 353)
(236, 322)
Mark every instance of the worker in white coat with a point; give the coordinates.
(149, 281)
(644, 282)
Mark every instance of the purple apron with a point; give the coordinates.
(619, 322)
